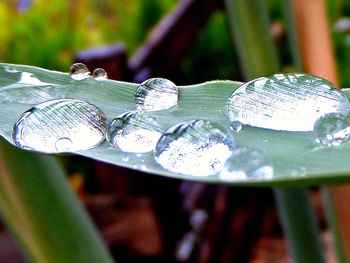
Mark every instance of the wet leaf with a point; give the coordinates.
(286, 152)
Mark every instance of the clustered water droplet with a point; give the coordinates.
(156, 94)
(289, 102)
(201, 148)
(62, 125)
(246, 163)
(134, 131)
(195, 147)
(332, 129)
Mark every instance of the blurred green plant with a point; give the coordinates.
(49, 34)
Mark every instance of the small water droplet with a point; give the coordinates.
(332, 129)
(99, 74)
(63, 125)
(300, 171)
(10, 69)
(265, 140)
(125, 159)
(290, 102)
(79, 71)
(246, 163)
(236, 126)
(134, 131)
(156, 94)
(195, 147)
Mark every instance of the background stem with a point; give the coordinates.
(250, 27)
(43, 213)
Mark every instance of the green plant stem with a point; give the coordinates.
(250, 28)
(292, 35)
(299, 224)
(326, 192)
(333, 225)
(250, 31)
(43, 213)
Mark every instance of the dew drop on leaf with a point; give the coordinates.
(62, 125)
(195, 147)
(332, 129)
(246, 163)
(156, 94)
(289, 102)
(299, 171)
(134, 131)
(79, 71)
(99, 74)
(236, 126)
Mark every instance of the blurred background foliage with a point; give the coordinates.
(48, 34)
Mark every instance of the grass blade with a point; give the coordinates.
(42, 212)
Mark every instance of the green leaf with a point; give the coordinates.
(292, 154)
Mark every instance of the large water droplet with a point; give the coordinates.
(195, 147)
(134, 131)
(79, 71)
(290, 102)
(156, 94)
(30, 90)
(99, 74)
(64, 125)
(246, 163)
(332, 129)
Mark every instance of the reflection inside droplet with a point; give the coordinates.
(195, 147)
(156, 94)
(134, 131)
(63, 125)
(63, 144)
(246, 163)
(79, 71)
(290, 102)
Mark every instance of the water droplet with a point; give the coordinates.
(30, 90)
(99, 74)
(246, 163)
(156, 94)
(63, 125)
(290, 102)
(134, 131)
(79, 71)
(298, 172)
(125, 159)
(236, 126)
(195, 147)
(332, 129)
